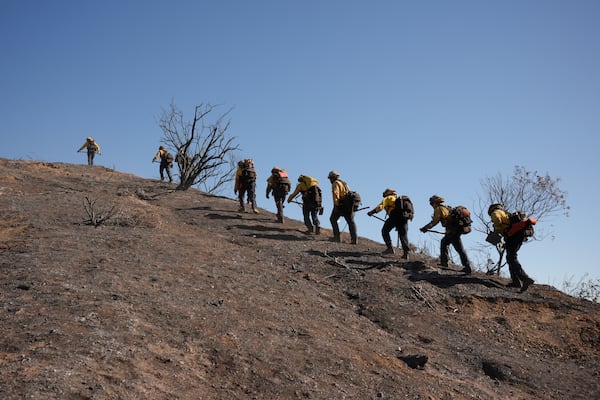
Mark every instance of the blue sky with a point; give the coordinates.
(426, 97)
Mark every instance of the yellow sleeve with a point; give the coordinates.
(338, 191)
(438, 215)
(389, 203)
(238, 174)
(295, 193)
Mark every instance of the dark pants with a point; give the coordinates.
(310, 212)
(91, 155)
(401, 226)
(512, 245)
(279, 196)
(348, 216)
(249, 190)
(165, 166)
(452, 238)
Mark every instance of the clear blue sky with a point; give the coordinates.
(426, 97)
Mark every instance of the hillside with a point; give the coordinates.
(179, 296)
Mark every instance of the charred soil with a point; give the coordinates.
(117, 287)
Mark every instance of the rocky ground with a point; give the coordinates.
(177, 295)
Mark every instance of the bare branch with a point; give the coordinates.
(204, 151)
(97, 217)
(539, 196)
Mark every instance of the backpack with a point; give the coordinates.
(248, 173)
(352, 201)
(313, 196)
(460, 217)
(168, 157)
(282, 181)
(519, 222)
(404, 208)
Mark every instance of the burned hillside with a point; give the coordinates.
(118, 287)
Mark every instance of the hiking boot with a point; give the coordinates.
(514, 284)
(526, 283)
(405, 256)
(335, 239)
(354, 241)
(255, 211)
(389, 250)
(442, 265)
(466, 270)
(317, 230)
(242, 209)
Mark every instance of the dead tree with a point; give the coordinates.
(97, 216)
(539, 196)
(204, 152)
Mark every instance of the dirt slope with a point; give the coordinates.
(179, 296)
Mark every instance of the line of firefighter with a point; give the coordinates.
(309, 189)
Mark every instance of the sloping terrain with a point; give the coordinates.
(176, 295)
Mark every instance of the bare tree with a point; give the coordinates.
(96, 216)
(539, 196)
(204, 152)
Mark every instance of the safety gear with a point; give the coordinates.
(275, 170)
(333, 175)
(388, 250)
(494, 207)
(435, 199)
(423, 229)
(389, 192)
(89, 139)
(370, 213)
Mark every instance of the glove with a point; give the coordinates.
(321, 211)
(370, 213)
(235, 191)
(267, 195)
(423, 229)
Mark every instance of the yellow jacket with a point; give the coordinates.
(388, 204)
(159, 155)
(91, 146)
(440, 214)
(339, 189)
(500, 220)
(306, 182)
